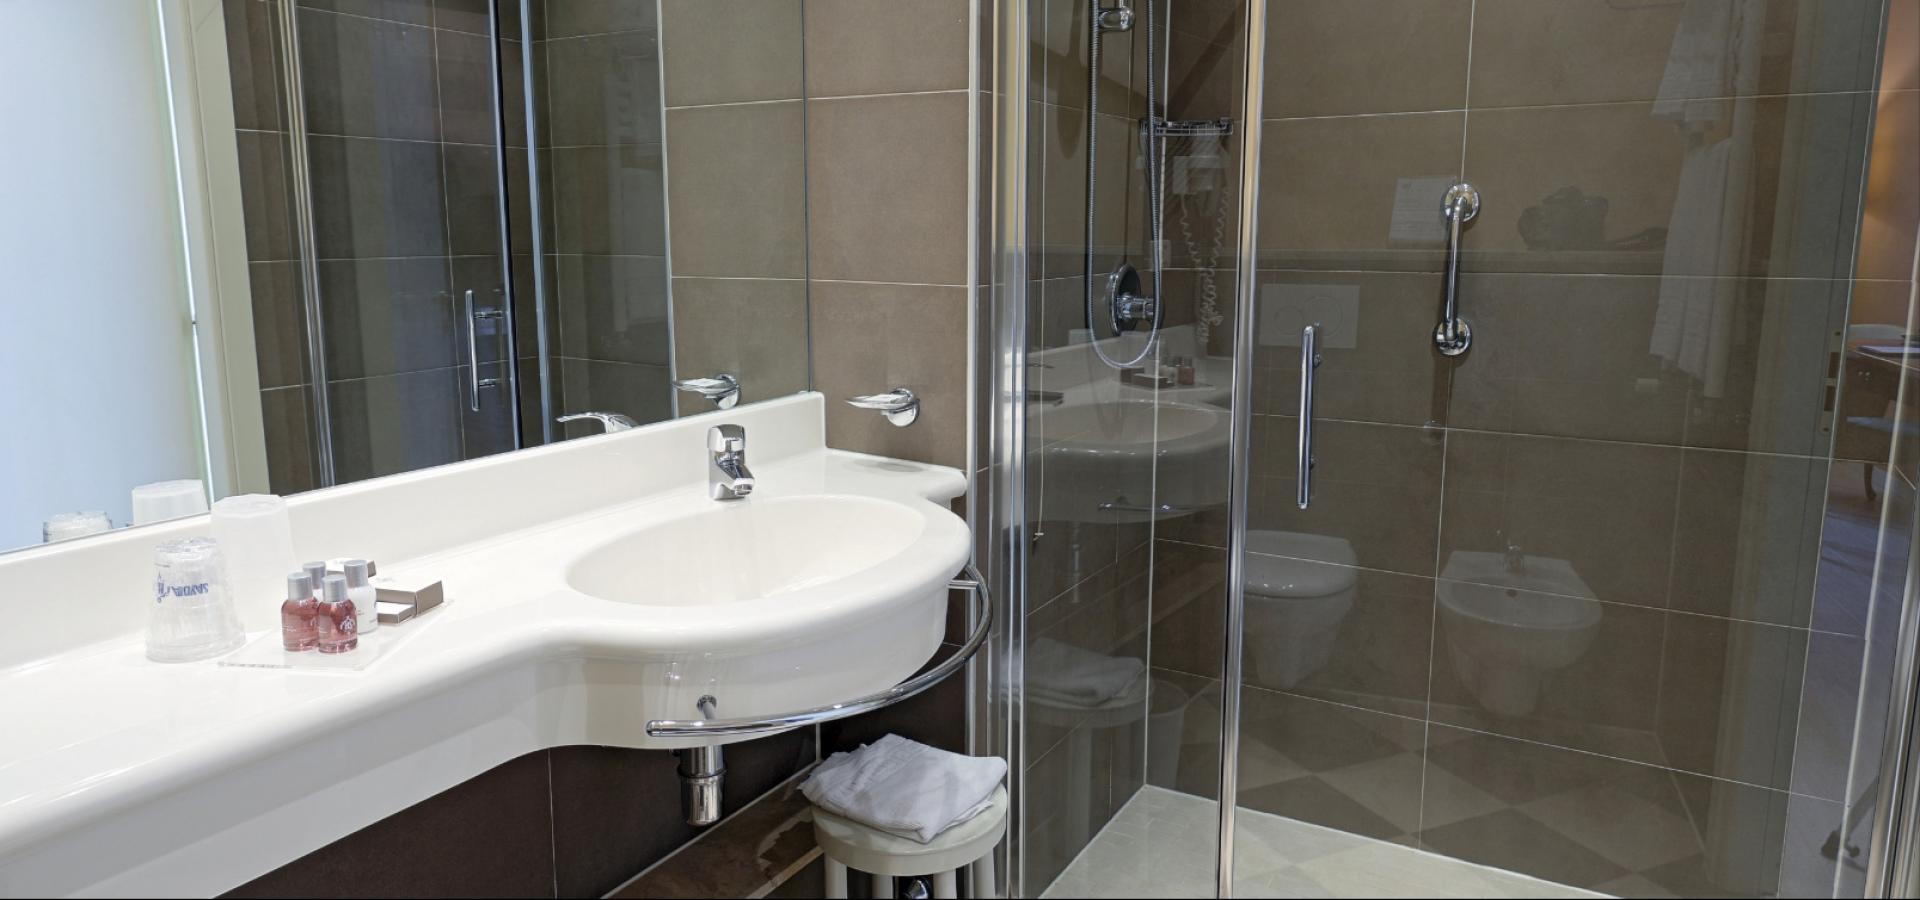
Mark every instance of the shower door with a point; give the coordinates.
(1571, 591)
(390, 325)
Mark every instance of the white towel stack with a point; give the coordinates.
(1071, 676)
(905, 788)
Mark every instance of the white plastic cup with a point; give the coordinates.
(164, 500)
(192, 617)
(69, 525)
(255, 535)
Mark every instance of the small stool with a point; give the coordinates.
(848, 844)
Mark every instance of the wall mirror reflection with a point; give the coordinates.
(328, 241)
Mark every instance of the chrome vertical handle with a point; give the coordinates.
(1309, 361)
(1452, 336)
(474, 381)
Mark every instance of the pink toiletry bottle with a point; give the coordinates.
(299, 615)
(339, 632)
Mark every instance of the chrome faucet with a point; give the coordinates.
(1516, 558)
(729, 478)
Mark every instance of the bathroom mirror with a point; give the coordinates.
(282, 245)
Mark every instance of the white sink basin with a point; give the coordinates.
(752, 550)
(1100, 459)
(1512, 625)
(591, 587)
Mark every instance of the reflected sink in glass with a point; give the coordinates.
(748, 550)
(1100, 459)
(1511, 627)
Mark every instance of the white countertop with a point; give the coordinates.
(123, 776)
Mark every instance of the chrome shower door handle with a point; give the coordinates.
(1309, 361)
(1452, 336)
(474, 381)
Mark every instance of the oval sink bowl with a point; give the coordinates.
(1100, 459)
(754, 549)
(770, 605)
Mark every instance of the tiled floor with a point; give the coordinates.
(1161, 844)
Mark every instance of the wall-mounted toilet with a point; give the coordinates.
(1511, 622)
(1300, 588)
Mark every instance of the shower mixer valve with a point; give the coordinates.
(1128, 307)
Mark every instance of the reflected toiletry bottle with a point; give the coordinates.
(299, 615)
(360, 591)
(339, 632)
(316, 573)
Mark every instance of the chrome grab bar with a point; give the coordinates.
(1452, 336)
(900, 405)
(474, 381)
(1309, 361)
(971, 582)
(1122, 504)
(723, 389)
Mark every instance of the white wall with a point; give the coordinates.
(97, 382)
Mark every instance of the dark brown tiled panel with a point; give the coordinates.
(492, 836)
(616, 811)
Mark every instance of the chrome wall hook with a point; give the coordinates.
(899, 405)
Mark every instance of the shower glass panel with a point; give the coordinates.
(459, 223)
(1557, 614)
(1126, 449)
(393, 144)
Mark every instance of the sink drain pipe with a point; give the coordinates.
(701, 771)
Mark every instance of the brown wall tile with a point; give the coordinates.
(738, 190)
(887, 189)
(871, 338)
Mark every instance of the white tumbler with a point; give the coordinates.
(256, 536)
(164, 500)
(192, 615)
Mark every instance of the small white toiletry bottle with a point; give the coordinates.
(360, 590)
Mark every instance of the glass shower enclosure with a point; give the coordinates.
(421, 218)
(1470, 436)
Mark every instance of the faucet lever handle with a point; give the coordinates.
(727, 439)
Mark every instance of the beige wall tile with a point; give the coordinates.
(737, 190)
(887, 188)
(752, 328)
(870, 338)
(1344, 57)
(1328, 189)
(731, 51)
(859, 47)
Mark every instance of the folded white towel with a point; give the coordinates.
(1072, 675)
(905, 788)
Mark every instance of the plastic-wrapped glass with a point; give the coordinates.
(192, 616)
